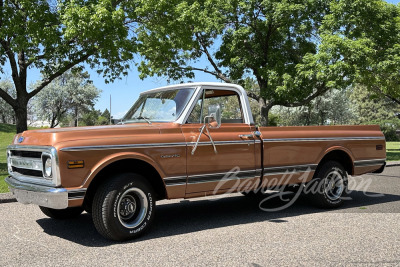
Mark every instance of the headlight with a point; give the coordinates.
(47, 167)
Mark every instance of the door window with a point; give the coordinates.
(229, 102)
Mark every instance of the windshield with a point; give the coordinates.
(163, 106)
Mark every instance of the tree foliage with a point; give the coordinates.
(369, 106)
(333, 108)
(366, 35)
(276, 43)
(55, 36)
(71, 93)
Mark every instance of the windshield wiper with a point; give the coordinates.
(143, 118)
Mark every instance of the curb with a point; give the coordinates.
(7, 198)
(392, 163)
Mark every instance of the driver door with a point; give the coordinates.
(232, 165)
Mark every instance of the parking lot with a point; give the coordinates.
(226, 231)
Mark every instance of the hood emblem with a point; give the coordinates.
(21, 139)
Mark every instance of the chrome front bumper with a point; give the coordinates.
(50, 197)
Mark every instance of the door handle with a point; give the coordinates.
(246, 136)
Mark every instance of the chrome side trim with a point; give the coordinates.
(239, 142)
(76, 194)
(211, 177)
(178, 180)
(323, 139)
(369, 162)
(290, 169)
(225, 176)
(106, 147)
(128, 146)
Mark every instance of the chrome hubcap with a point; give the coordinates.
(132, 207)
(334, 185)
(127, 207)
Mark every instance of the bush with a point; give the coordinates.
(389, 128)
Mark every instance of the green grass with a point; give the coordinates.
(393, 151)
(7, 133)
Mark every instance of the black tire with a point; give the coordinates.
(329, 186)
(63, 214)
(123, 208)
(249, 194)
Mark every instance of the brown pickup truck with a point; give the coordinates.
(183, 141)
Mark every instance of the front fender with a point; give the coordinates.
(106, 161)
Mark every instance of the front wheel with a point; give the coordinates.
(123, 208)
(329, 187)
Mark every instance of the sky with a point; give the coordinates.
(124, 92)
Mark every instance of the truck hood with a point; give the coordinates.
(91, 134)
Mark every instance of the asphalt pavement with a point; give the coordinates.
(216, 231)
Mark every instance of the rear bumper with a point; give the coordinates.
(50, 197)
(381, 169)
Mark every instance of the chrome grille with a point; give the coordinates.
(27, 154)
(27, 172)
(25, 163)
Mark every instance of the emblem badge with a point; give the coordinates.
(20, 139)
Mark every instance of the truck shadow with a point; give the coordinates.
(190, 216)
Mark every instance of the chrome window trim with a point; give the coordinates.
(55, 181)
(244, 102)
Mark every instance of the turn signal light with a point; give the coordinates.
(74, 164)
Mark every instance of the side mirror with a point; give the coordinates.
(214, 119)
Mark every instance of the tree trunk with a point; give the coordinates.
(53, 122)
(21, 116)
(264, 111)
(76, 117)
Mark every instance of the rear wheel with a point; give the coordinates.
(329, 186)
(123, 208)
(67, 213)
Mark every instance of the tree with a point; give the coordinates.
(6, 112)
(275, 43)
(106, 117)
(70, 93)
(55, 36)
(371, 107)
(333, 108)
(367, 36)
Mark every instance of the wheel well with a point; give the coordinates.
(339, 156)
(126, 165)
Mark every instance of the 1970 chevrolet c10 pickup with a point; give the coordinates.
(183, 141)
